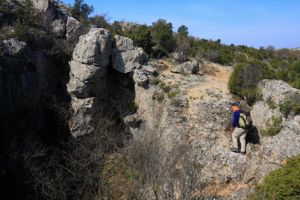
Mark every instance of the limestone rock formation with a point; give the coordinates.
(190, 67)
(94, 48)
(73, 30)
(126, 58)
(87, 84)
(273, 92)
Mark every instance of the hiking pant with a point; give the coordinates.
(239, 133)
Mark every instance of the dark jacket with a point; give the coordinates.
(236, 118)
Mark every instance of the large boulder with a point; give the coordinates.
(277, 90)
(94, 48)
(180, 56)
(87, 84)
(190, 67)
(73, 31)
(274, 93)
(86, 79)
(126, 58)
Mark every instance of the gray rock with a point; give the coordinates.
(13, 46)
(94, 48)
(86, 80)
(190, 67)
(140, 78)
(46, 6)
(180, 56)
(81, 122)
(149, 70)
(73, 30)
(277, 90)
(123, 43)
(59, 27)
(259, 120)
(126, 58)
(87, 73)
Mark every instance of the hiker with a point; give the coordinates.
(241, 122)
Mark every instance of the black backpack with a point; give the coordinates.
(245, 120)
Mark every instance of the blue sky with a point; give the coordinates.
(249, 22)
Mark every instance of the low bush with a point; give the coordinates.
(166, 88)
(154, 81)
(158, 96)
(245, 77)
(173, 93)
(274, 125)
(291, 105)
(281, 184)
(271, 103)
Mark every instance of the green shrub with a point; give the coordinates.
(281, 184)
(166, 88)
(274, 125)
(245, 77)
(291, 105)
(271, 103)
(21, 31)
(173, 93)
(154, 81)
(158, 96)
(81, 11)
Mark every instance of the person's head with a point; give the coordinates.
(235, 106)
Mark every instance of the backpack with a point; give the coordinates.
(245, 120)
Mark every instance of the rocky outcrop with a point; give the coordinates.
(190, 67)
(94, 48)
(126, 57)
(274, 93)
(87, 84)
(73, 30)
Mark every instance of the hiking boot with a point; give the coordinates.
(235, 150)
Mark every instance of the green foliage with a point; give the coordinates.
(141, 37)
(291, 105)
(99, 21)
(183, 30)
(281, 184)
(166, 88)
(116, 28)
(154, 81)
(21, 31)
(81, 11)
(245, 77)
(28, 12)
(162, 34)
(173, 93)
(271, 103)
(158, 96)
(274, 125)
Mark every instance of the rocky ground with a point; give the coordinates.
(187, 103)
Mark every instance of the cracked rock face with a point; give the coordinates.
(94, 48)
(127, 58)
(87, 84)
